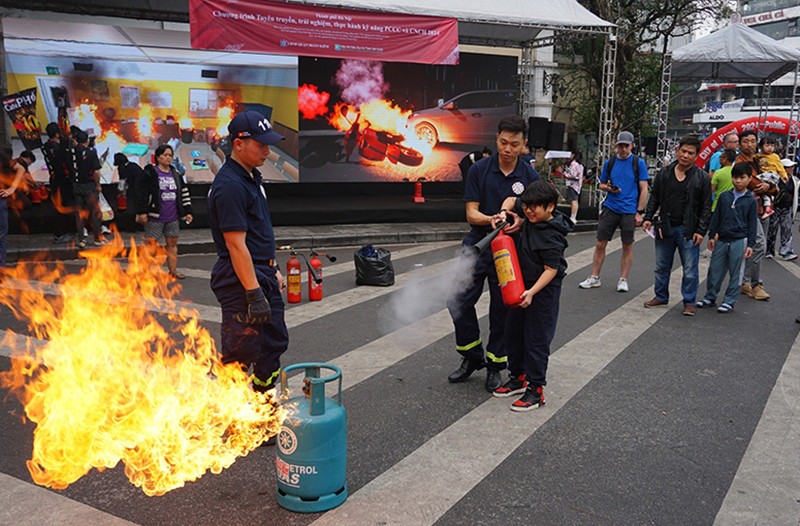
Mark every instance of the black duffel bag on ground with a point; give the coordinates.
(374, 266)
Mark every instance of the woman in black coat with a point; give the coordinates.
(162, 199)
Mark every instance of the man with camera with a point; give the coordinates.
(625, 178)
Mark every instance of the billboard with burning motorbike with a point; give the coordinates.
(367, 121)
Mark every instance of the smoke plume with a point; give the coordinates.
(421, 298)
(360, 81)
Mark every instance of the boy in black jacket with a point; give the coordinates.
(734, 224)
(530, 329)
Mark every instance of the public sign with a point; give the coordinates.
(295, 29)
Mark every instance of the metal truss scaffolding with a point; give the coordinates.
(606, 108)
(663, 110)
(794, 114)
(763, 108)
(526, 78)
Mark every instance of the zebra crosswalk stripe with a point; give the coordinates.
(396, 497)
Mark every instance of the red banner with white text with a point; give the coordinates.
(295, 29)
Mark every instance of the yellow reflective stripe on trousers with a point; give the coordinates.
(464, 348)
(268, 382)
(492, 358)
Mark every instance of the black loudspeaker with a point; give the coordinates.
(650, 145)
(555, 136)
(537, 132)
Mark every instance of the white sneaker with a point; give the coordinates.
(592, 282)
(622, 285)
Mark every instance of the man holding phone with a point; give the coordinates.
(625, 179)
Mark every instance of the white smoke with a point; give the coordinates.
(360, 81)
(422, 298)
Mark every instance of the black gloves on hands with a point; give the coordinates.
(258, 309)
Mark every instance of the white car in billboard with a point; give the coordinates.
(468, 118)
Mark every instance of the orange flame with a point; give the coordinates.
(84, 116)
(380, 115)
(146, 121)
(224, 117)
(115, 382)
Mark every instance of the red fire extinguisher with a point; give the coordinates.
(509, 274)
(122, 202)
(314, 278)
(293, 292)
(418, 191)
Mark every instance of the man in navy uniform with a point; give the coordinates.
(246, 279)
(489, 182)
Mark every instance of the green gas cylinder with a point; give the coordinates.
(311, 448)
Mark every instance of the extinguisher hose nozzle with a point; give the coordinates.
(332, 259)
(481, 245)
(314, 274)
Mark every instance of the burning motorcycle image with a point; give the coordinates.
(372, 144)
(378, 145)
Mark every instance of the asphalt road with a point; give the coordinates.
(651, 417)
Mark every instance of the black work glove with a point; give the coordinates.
(258, 309)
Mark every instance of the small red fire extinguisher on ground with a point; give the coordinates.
(509, 274)
(314, 278)
(315, 274)
(293, 291)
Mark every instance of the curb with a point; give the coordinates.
(302, 240)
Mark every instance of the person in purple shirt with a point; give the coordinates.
(162, 198)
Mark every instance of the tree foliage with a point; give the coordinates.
(644, 31)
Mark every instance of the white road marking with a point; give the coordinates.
(397, 496)
(24, 504)
(766, 487)
(383, 353)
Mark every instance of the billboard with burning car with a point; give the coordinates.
(367, 121)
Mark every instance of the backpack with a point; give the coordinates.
(635, 168)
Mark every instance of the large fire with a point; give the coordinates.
(115, 382)
(84, 116)
(380, 115)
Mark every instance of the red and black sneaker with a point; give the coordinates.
(533, 398)
(514, 386)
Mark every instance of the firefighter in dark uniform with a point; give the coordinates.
(245, 278)
(489, 182)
